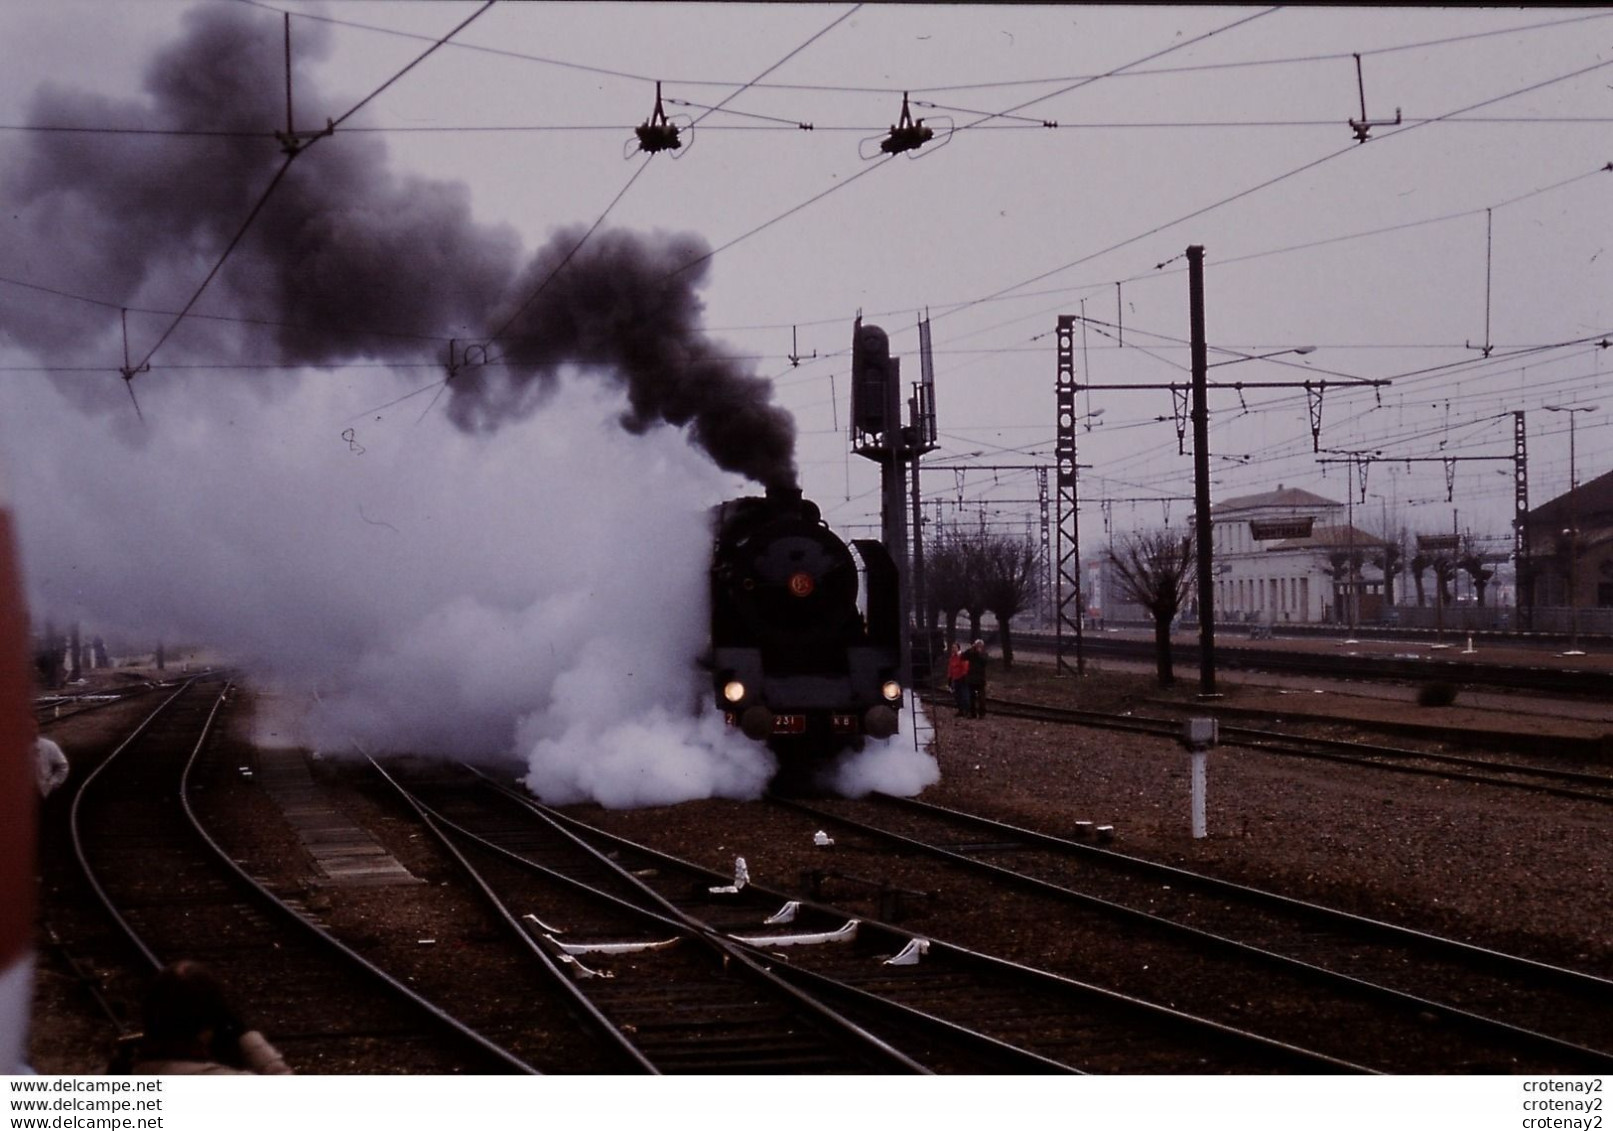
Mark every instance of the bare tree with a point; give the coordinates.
(1420, 561)
(947, 581)
(1008, 576)
(977, 573)
(1390, 558)
(1155, 569)
(1339, 563)
(1476, 562)
(1444, 563)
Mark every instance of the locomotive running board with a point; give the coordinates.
(809, 938)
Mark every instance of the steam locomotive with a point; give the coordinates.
(805, 628)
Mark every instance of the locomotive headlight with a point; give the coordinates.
(733, 691)
(891, 690)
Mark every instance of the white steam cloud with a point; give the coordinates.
(518, 570)
(893, 765)
(538, 593)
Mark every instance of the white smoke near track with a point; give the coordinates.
(519, 569)
(890, 765)
(536, 594)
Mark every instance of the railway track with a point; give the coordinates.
(1400, 1000)
(951, 1008)
(676, 993)
(171, 892)
(59, 708)
(1534, 776)
(1539, 678)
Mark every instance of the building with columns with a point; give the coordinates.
(1282, 557)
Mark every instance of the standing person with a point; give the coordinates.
(190, 1030)
(976, 678)
(50, 764)
(958, 678)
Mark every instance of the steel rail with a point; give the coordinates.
(662, 910)
(1343, 751)
(1567, 681)
(324, 937)
(1597, 1058)
(74, 830)
(1314, 1060)
(438, 825)
(46, 713)
(263, 895)
(1570, 978)
(1022, 1059)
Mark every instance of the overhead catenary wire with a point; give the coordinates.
(885, 161)
(351, 128)
(1111, 73)
(1269, 182)
(840, 88)
(601, 218)
(279, 176)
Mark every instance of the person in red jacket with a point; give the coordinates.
(957, 679)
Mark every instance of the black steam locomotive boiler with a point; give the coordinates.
(805, 628)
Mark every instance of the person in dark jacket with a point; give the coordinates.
(976, 659)
(191, 1030)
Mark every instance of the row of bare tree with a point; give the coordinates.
(977, 573)
(1468, 557)
(1155, 569)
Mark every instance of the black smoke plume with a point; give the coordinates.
(348, 261)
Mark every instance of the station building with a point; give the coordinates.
(1282, 557)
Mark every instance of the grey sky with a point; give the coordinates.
(1225, 127)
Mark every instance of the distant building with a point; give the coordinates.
(1544, 576)
(1282, 557)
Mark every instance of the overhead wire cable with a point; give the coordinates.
(836, 22)
(601, 218)
(279, 176)
(611, 72)
(570, 255)
(1157, 273)
(880, 164)
(412, 64)
(1269, 182)
(218, 265)
(1125, 67)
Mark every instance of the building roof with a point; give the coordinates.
(1281, 497)
(1332, 538)
(1592, 507)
